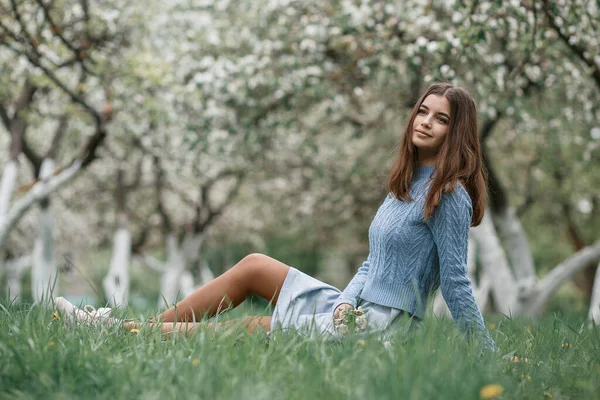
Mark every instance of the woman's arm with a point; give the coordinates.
(355, 287)
(450, 228)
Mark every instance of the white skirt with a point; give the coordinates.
(305, 304)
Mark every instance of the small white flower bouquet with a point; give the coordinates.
(351, 321)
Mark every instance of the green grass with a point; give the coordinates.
(42, 358)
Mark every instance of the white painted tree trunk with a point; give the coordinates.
(206, 274)
(594, 314)
(495, 267)
(44, 274)
(15, 269)
(186, 283)
(116, 282)
(172, 272)
(192, 245)
(39, 191)
(515, 242)
(534, 299)
(7, 185)
(482, 292)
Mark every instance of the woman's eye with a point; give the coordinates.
(442, 120)
(422, 111)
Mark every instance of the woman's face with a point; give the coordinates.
(431, 127)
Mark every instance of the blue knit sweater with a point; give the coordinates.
(409, 258)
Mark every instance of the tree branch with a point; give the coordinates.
(575, 48)
(498, 198)
(32, 156)
(25, 98)
(37, 193)
(59, 134)
(18, 265)
(488, 127)
(36, 61)
(137, 178)
(57, 30)
(89, 151)
(151, 262)
(138, 243)
(4, 117)
(538, 296)
(21, 23)
(212, 213)
(167, 225)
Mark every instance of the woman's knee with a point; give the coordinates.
(251, 265)
(259, 267)
(254, 259)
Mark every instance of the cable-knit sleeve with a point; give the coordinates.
(355, 287)
(449, 225)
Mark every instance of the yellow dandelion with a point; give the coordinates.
(195, 362)
(56, 316)
(492, 326)
(362, 342)
(548, 395)
(491, 391)
(135, 330)
(51, 344)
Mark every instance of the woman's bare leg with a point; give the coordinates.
(255, 273)
(189, 328)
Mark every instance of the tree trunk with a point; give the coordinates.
(173, 270)
(191, 246)
(186, 283)
(515, 242)
(594, 314)
(15, 269)
(175, 278)
(116, 282)
(44, 274)
(7, 185)
(495, 267)
(9, 177)
(206, 274)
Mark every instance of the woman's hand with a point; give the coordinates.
(337, 313)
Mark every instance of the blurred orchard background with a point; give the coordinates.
(146, 147)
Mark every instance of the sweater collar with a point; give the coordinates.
(423, 173)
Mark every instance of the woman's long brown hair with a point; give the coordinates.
(459, 158)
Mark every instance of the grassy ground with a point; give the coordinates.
(41, 358)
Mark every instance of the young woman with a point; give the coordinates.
(417, 242)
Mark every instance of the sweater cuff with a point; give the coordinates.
(344, 300)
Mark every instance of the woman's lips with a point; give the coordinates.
(423, 133)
